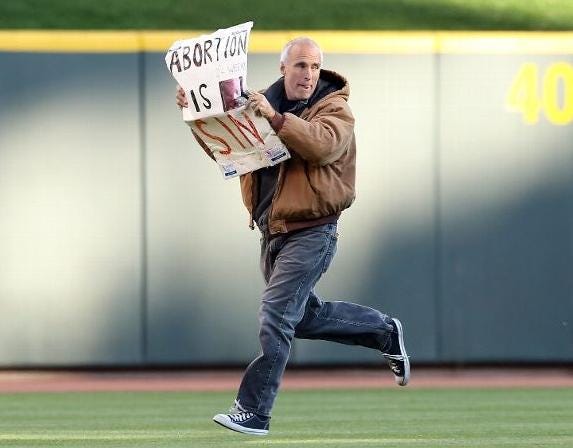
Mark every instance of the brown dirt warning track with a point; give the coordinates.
(15, 381)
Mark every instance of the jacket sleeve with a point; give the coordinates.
(323, 138)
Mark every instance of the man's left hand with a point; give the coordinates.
(261, 105)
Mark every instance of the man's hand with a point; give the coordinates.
(180, 98)
(261, 105)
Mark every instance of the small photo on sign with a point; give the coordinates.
(231, 93)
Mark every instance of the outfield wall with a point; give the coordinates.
(116, 230)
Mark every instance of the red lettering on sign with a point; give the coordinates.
(251, 129)
(200, 123)
(232, 133)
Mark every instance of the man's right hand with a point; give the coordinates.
(180, 98)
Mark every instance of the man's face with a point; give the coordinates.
(301, 71)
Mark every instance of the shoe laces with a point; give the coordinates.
(241, 416)
(395, 367)
(396, 363)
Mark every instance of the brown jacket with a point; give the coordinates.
(318, 180)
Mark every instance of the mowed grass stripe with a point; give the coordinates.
(167, 435)
(316, 14)
(314, 419)
(541, 441)
(98, 435)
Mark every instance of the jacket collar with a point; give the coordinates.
(328, 82)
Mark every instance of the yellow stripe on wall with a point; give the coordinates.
(504, 42)
(361, 42)
(70, 41)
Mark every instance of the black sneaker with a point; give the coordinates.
(244, 422)
(397, 357)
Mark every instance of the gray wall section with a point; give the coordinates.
(203, 280)
(70, 220)
(120, 243)
(506, 218)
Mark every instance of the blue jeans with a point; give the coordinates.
(292, 264)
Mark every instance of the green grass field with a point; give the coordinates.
(293, 14)
(325, 419)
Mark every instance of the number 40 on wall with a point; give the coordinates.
(554, 96)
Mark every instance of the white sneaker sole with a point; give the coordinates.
(402, 381)
(225, 421)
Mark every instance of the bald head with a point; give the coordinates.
(299, 41)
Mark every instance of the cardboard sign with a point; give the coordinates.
(212, 70)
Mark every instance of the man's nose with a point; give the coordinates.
(308, 73)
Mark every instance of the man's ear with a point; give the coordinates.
(282, 69)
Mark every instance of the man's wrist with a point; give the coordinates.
(277, 121)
